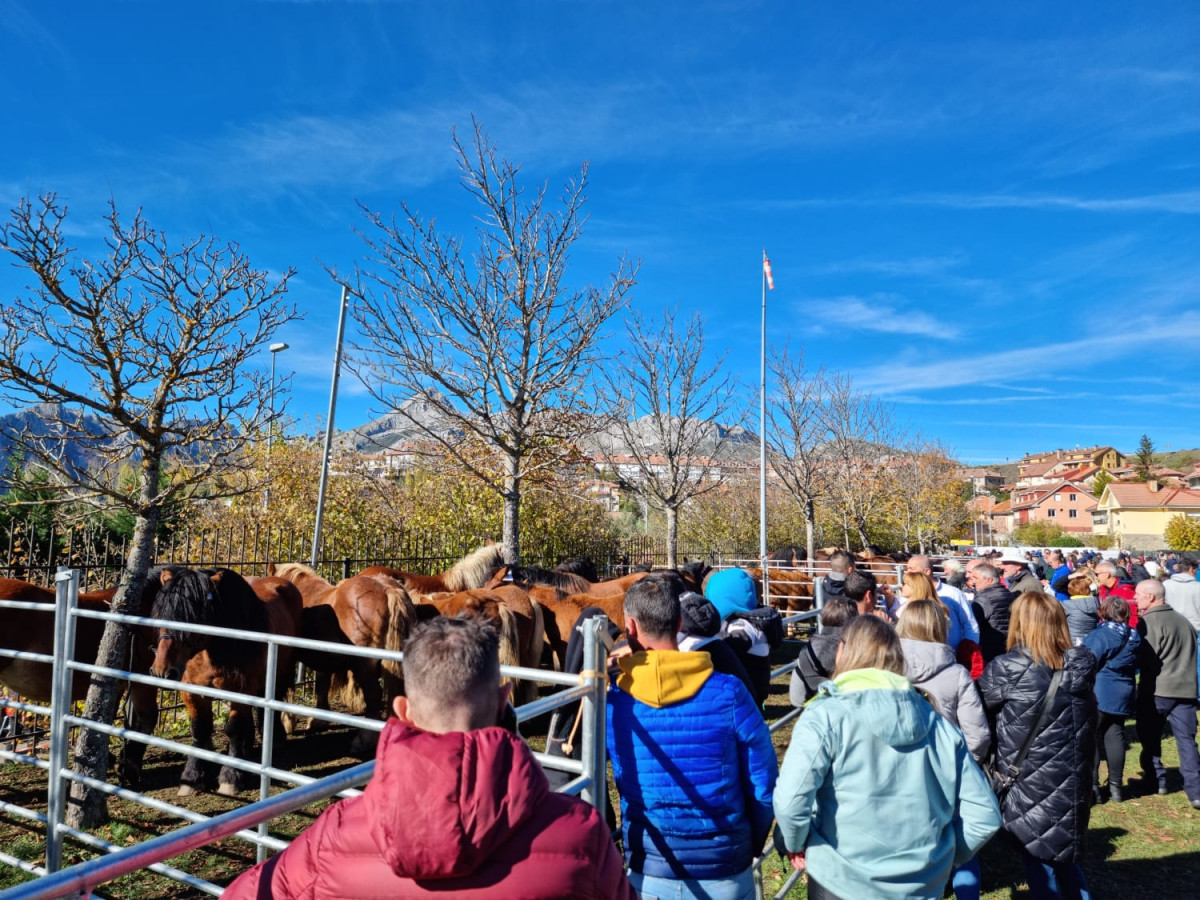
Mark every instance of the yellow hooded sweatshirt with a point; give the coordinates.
(660, 678)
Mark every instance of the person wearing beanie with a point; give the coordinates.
(734, 593)
(701, 630)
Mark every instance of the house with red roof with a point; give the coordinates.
(1135, 514)
(1060, 503)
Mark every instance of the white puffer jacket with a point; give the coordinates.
(933, 669)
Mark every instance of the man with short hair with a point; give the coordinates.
(1183, 595)
(962, 624)
(1167, 689)
(991, 605)
(841, 564)
(862, 590)
(692, 759)
(457, 805)
(1060, 570)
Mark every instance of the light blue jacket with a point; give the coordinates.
(881, 791)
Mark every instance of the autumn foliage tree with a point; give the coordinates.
(1182, 533)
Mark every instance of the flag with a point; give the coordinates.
(767, 271)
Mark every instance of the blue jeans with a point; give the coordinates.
(1181, 716)
(736, 887)
(1048, 881)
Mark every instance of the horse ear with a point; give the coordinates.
(164, 576)
(270, 568)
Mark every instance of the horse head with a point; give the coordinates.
(188, 597)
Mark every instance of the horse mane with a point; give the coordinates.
(695, 569)
(220, 598)
(474, 569)
(288, 570)
(564, 581)
(580, 566)
(789, 554)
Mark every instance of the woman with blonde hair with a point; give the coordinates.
(1040, 696)
(930, 665)
(872, 766)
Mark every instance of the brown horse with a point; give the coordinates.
(226, 600)
(32, 631)
(472, 571)
(566, 582)
(364, 610)
(788, 589)
(518, 620)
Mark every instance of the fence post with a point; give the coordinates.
(819, 598)
(268, 738)
(592, 754)
(345, 568)
(66, 597)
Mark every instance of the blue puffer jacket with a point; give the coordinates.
(1117, 662)
(694, 765)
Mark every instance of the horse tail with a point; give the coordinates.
(537, 640)
(510, 652)
(400, 618)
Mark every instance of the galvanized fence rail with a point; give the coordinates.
(588, 773)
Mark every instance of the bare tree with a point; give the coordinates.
(495, 341)
(798, 435)
(142, 351)
(861, 432)
(678, 443)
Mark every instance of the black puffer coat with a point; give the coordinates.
(1047, 809)
(992, 609)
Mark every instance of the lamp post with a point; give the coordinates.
(275, 349)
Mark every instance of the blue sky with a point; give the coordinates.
(986, 213)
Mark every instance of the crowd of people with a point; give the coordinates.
(934, 717)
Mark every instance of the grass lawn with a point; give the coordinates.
(1146, 847)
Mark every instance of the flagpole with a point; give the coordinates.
(762, 439)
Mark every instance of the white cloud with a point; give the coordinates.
(878, 313)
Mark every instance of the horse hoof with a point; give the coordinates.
(225, 789)
(186, 790)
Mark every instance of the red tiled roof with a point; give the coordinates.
(1138, 494)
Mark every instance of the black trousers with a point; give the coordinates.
(1110, 735)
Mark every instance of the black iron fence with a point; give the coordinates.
(34, 554)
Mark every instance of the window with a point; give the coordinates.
(1075, 497)
(1050, 513)
(1058, 497)
(1074, 514)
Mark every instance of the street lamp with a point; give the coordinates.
(275, 350)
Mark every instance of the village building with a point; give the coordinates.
(1062, 503)
(1135, 514)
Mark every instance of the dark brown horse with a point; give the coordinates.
(222, 599)
(364, 610)
(32, 631)
(472, 571)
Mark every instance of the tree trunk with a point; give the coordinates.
(810, 538)
(88, 807)
(512, 510)
(672, 535)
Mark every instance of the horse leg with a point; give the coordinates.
(141, 715)
(197, 773)
(240, 731)
(365, 741)
(323, 682)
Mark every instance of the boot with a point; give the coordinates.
(1114, 791)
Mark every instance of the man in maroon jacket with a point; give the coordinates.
(457, 807)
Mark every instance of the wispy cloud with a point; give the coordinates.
(881, 313)
(1031, 362)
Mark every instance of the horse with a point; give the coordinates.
(519, 623)
(364, 610)
(786, 587)
(32, 631)
(579, 566)
(789, 556)
(564, 581)
(472, 571)
(222, 599)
